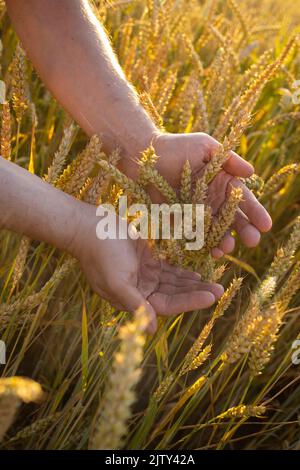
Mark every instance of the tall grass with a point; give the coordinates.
(210, 380)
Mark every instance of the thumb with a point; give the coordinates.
(132, 299)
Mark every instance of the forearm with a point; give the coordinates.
(32, 207)
(71, 52)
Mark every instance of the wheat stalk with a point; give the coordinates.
(119, 395)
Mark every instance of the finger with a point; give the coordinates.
(217, 253)
(256, 213)
(235, 165)
(216, 289)
(174, 304)
(227, 244)
(249, 235)
(132, 299)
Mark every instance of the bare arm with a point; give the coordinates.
(120, 270)
(30, 206)
(71, 52)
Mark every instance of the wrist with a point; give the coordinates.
(83, 220)
(143, 138)
(134, 148)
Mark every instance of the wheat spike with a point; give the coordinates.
(264, 340)
(207, 267)
(61, 154)
(242, 337)
(277, 180)
(267, 335)
(75, 175)
(225, 218)
(289, 289)
(222, 305)
(200, 191)
(39, 426)
(226, 119)
(199, 360)
(187, 103)
(170, 250)
(215, 164)
(148, 160)
(283, 118)
(208, 217)
(5, 133)
(166, 93)
(243, 411)
(151, 175)
(164, 386)
(284, 257)
(217, 22)
(13, 391)
(151, 109)
(255, 183)
(186, 183)
(20, 90)
(218, 273)
(20, 262)
(236, 10)
(119, 395)
(95, 188)
(225, 42)
(249, 99)
(201, 122)
(33, 300)
(128, 186)
(226, 299)
(193, 55)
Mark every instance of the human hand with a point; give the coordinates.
(174, 149)
(124, 272)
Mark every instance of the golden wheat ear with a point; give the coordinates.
(5, 132)
(14, 391)
(118, 397)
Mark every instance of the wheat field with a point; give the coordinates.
(78, 375)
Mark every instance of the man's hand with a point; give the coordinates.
(124, 272)
(174, 149)
(111, 108)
